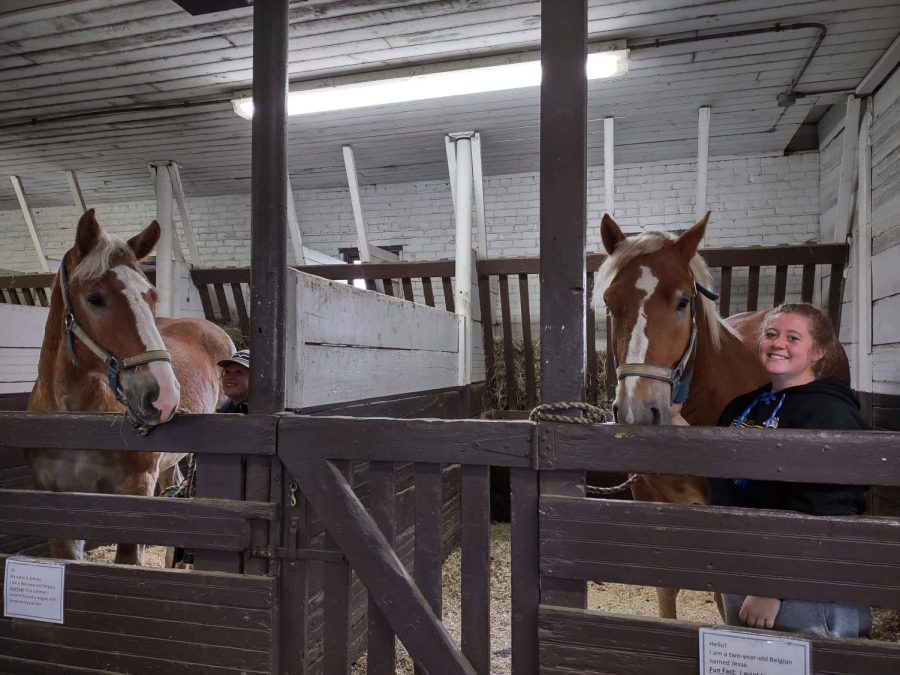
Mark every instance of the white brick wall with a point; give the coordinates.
(754, 200)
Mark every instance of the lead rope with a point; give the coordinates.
(592, 415)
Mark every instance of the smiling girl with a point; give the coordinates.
(796, 342)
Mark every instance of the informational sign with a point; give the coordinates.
(726, 652)
(34, 589)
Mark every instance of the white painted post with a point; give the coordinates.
(702, 161)
(294, 225)
(29, 221)
(186, 227)
(165, 278)
(75, 189)
(609, 165)
(477, 179)
(862, 262)
(849, 169)
(350, 166)
(450, 147)
(463, 291)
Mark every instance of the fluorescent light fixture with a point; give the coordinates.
(429, 85)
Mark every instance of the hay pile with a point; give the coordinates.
(234, 332)
(496, 397)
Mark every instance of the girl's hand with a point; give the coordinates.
(759, 612)
(675, 417)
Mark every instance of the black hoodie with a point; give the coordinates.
(822, 404)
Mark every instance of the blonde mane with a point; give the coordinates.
(645, 244)
(96, 263)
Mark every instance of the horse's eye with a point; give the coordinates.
(683, 302)
(96, 300)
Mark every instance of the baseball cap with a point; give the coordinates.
(241, 358)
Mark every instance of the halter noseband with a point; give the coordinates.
(675, 377)
(114, 365)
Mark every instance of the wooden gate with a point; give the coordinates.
(560, 541)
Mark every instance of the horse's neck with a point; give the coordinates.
(60, 386)
(720, 375)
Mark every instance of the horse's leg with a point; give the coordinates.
(666, 598)
(141, 485)
(720, 605)
(67, 549)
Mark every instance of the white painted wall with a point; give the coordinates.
(763, 200)
(755, 201)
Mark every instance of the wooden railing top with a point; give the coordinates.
(747, 256)
(27, 280)
(803, 254)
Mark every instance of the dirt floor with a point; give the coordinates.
(693, 606)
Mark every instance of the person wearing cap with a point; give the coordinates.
(236, 382)
(236, 386)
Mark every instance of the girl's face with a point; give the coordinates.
(236, 382)
(788, 352)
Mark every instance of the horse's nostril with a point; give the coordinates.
(615, 413)
(147, 402)
(656, 415)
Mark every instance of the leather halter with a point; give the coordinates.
(114, 365)
(675, 377)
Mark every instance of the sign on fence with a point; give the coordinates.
(34, 589)
(726, 652)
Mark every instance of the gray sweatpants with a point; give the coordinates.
(820, 619)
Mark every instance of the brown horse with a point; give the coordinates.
(104, 350)
(670, 346)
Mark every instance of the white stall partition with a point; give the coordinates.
(21, 334)
(347, 344)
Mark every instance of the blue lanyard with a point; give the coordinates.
(766, 397)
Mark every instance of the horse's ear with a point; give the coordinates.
(88, 233)
(690, 239)
(142, 244)
(610, 234)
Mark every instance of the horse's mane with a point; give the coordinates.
(650, 242)
(96, 263)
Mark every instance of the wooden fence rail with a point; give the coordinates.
(850, 559)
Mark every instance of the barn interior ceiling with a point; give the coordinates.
(103, 87)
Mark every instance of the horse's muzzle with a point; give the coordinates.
(646, 402)
(149, 403)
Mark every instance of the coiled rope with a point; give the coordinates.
(592, 415)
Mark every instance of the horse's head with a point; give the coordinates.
(649, 284)
(109, 315)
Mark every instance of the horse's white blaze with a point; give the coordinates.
(135, 288)
(638, 341)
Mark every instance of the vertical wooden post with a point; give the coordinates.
(702, 162)
(165, 273)
(862, 265)
(849, 169)
(464, 258)
(609, 164)
(294, 224)
(75, 189)
(268, 226)
(478, 183)
(563, 238)
(29, 221)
